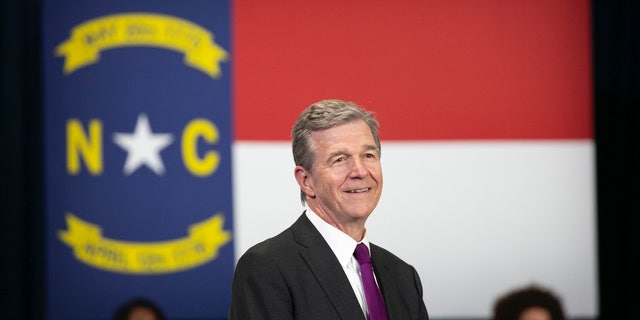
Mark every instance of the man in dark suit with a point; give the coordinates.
(319, 268)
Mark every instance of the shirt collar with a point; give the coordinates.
(340, 243)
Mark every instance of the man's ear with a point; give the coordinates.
(304, 181)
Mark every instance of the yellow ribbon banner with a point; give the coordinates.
(201, 246)
(141, 29)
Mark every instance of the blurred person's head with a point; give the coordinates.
(530, 303)
(138, 309)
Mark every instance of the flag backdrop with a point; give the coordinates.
(138, 146)
(168, 153)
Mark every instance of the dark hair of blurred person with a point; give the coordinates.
(138, 309)
(529, 303)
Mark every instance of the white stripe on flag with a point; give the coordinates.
(475, 218)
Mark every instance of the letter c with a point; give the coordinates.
(207, 165)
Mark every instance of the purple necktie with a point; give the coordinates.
(375, 303)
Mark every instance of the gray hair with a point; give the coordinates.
(323, 115)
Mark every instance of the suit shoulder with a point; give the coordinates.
(273, 247)
(386, 255)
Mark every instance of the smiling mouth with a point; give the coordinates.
(359, 190)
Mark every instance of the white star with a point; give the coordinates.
(143, 147)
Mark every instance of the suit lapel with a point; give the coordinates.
(326, 269)
(386, 281)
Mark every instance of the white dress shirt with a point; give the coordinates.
(343, 247)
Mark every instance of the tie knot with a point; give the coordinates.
(362, 253)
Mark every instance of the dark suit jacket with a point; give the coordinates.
(295, 275)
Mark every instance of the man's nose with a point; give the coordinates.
(358, 168)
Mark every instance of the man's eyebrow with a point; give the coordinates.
(370, 147)
(342, 152)
(335, 154)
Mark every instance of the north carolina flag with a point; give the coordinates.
(167, 143)
(486, 126)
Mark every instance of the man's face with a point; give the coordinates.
(346, 181)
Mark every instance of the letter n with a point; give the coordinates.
(88, 147)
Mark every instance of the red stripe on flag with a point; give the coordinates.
(429, 69)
